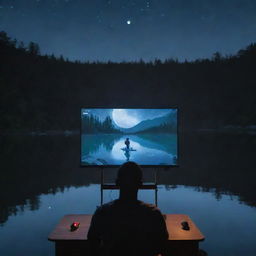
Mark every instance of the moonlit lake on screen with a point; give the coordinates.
(114, 136)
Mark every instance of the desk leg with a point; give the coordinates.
(182, 248)
(68, 248)
(59, 249)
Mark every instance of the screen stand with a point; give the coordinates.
(156, 188)
(101, 184)
(113, 186)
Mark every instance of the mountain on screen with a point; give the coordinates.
(170, 118)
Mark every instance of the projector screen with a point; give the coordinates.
(110, 137)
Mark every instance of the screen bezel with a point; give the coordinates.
(123, 107)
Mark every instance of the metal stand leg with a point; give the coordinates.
(156, 174)
(101, 185)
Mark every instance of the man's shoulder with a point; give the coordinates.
(151, 208)
(105, 207)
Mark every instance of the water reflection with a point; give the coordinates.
(146, 149)
(139, 153)
(36, 172)
(216, 219)
(127, 155)
(31, 166)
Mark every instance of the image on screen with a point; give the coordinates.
(113, 136)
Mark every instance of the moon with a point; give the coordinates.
(123, 119)
(128, 22)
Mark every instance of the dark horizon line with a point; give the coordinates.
(157, 60)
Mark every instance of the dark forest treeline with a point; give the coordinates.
(92, 124)
(46, 93)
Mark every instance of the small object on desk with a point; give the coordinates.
(185, 225)
(74, 226)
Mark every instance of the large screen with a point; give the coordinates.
(111, 137)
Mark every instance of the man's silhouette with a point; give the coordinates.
(127, 226)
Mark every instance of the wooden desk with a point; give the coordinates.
(181, 242)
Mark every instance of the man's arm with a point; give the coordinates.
(161, 233)
(93, 235)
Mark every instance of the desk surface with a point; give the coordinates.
(173, 222)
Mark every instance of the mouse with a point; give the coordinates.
(185, 225)
(74, 226)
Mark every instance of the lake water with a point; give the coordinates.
(41, 180)
(146, 149)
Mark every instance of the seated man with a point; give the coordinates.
(127, 226)
(127, 143)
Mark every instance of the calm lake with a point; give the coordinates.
(146, 149)
(41, 180)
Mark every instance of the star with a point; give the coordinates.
(128, 22)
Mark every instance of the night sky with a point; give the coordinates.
(119, 30)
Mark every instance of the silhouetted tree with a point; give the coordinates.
(4, 38)
(217, 56)
(92, 124)
(61, 58)
(33, 48)
(21, 46)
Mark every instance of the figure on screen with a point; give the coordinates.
(127, 143)
(127, 226)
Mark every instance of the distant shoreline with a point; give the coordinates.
(42, 133)
(225, 129)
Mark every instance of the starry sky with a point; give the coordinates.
(130, 30)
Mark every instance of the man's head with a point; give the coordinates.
(129, 176)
